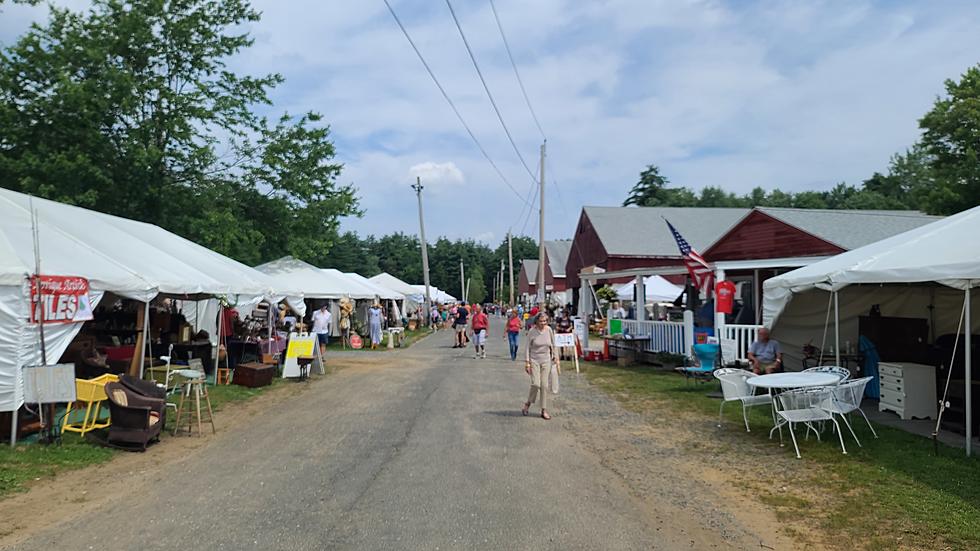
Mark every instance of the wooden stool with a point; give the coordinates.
(222, 376)
(199, 388)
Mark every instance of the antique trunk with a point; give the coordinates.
(254, 374)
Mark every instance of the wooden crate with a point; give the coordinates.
(253, 374)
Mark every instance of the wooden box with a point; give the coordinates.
(254, 374)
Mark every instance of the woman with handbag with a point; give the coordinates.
(540, 357)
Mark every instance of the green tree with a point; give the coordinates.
(477, 287)
(129, 108)
(951, 136)
(649, 191)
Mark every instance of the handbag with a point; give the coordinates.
(553, 377)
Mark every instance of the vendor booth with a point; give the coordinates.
(908, 296)
(83, 255)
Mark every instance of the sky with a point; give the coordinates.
(790, 95)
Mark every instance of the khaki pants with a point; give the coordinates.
(539, 382)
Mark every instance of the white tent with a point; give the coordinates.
(128, 258)
(413, 298)
(312, 281)
(944, 252)
(656, 289)
(438, 295)
(380, 291)
(354, 288)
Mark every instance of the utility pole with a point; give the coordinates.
(500, 281)
(541, 282)
(425, 252)
(462, 281)
(510, 258)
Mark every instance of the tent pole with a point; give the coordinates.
(836, 330)
(967, 374)
(826, 324)
(146, 338)
(13, 427)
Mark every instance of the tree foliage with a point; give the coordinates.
(129, 108)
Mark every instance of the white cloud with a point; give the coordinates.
(735, 94)
(439, 174)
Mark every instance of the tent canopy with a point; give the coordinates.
(656, 289)
(380, 291)
(354, 288)
(944, 251)
(395, 284)
(310, 280)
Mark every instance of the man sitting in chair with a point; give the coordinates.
(765, 355)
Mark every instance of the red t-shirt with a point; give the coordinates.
(480, 321)
(514, 325)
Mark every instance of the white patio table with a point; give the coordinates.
(787, 381)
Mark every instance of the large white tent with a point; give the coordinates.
(312, 281)
(925, 272)
(437, 294)
(413, 298)
(656, 289)
(381, 291)
(128, 258)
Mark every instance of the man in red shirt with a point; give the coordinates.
(481, 326)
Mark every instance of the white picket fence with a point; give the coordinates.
(665, 336)
(743, 336)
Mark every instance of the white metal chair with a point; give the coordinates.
(734, 387)
(845, 399)
(841, 372)
(806, 406)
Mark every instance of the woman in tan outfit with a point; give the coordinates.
(540, 354)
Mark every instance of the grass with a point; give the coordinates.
(893, 492)
(410, 338)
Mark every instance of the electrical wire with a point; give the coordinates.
(487, 89)
(452, 104)
(517, 73)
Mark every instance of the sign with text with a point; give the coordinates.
(565, 339)
(60, 299)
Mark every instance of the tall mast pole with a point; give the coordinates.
(462, 281)
(510, 258)
(425, 252)
(540, 278)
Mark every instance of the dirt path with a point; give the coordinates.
(422, 448)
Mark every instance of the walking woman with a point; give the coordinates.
(513, 332)
(374, 321)
(540, 355)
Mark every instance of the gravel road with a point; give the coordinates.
(422, 448)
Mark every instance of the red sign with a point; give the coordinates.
(61, 299)
(724, 296)
(355, 341)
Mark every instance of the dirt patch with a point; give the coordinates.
(73, 493)
(678, 458)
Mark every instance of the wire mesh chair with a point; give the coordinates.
(841, 372)
(845, 398)
(806, 406)
(735, 387)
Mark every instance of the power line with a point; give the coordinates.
(487, 88)
(516, 72)
(452, 104)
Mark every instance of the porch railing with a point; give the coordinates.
(743, 337)
(665, 336)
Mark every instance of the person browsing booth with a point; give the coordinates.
(765, 355)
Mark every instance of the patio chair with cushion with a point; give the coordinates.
(136, 419)
(841, 372)
(845, 399)
(734, 387)
(806, 406)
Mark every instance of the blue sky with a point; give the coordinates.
(794, 95)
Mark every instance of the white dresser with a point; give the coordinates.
(908, 389)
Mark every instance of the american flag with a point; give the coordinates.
(701, 273)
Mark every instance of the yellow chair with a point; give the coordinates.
(89, 393)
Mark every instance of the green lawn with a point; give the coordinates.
(893, 492)
(410, 338)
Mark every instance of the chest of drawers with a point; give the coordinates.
(908, 389)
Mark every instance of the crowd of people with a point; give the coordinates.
(470, 323)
